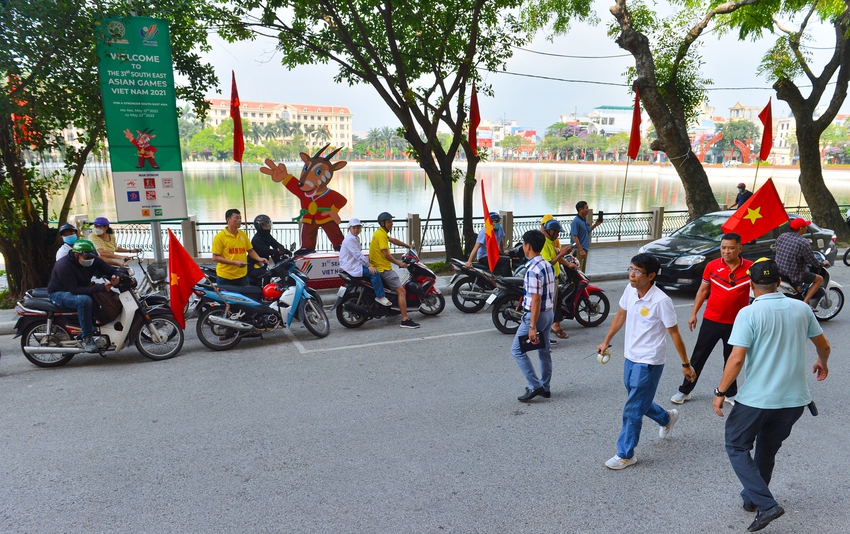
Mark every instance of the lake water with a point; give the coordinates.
(401, 188)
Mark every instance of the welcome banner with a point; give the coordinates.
(137, 83)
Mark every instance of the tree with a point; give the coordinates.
(49, 79)
(510, 143)
(420, 57)
(742, 130)
(784, 63)
(618, 144)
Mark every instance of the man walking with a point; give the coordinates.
(725, 283)
(580, 231)
(770, 337)
(537, 301)
(743, 196)
(648, 315)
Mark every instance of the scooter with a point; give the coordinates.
(355, 303)
(49, 334)
(472, 285)
(227, 314)
(828, 299)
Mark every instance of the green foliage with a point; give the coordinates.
(741, 130)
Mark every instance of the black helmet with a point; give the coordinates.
(260, 220)
(384, 216)
(495, 217)
(552, 224)
(67, 227)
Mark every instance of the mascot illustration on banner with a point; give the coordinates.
(143, 145)
(319, 205)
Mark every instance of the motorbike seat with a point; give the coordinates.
(518, 280)
(252, 292)
(43, 304)
(38, 292)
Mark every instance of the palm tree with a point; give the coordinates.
(373, 139)
(256, 132)
(322, 135)
(309, 132)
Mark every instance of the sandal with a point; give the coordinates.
(561, 334)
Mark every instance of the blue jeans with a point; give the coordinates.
(81, 303)
(377, 283)
(544, 323)
(641, 382)
(243, 281)
(746, 425)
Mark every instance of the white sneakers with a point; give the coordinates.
(616, 463)
(665, 431)
(680, 398)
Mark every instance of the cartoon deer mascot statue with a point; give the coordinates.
(319, 205)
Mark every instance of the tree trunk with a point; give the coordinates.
(825, 210)
(469, 183)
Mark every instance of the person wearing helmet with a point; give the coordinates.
(264, 243)
(351, 261)
(556, 256)
(479, 251)
(70, 284)
(743, 196)
(103, 238)
(69, 235)
(381, 259)
(231, 249)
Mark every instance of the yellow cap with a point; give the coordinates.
(547, 217)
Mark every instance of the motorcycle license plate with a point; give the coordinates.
(491, 299)
(341, 292)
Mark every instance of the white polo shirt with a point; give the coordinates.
(647, 321)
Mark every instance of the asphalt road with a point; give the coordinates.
(384, 429)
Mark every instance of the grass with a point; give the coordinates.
(441, 268)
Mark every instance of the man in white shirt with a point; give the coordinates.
(648, 315)
(352, 261)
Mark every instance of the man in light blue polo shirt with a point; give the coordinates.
(769, 336)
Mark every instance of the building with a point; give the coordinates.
(335, 120)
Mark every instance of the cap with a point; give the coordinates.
(547, 217)
(354, 221)
(101, 221)
(764, 271)
(799, 222)
(743, 185)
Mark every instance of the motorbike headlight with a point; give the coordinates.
(689, 260)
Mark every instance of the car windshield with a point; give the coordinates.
(707, 227)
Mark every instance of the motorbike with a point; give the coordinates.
(828, 299)
(355, 303)
(50, 334)
(577, 298)
(227, 314)
(472, 285)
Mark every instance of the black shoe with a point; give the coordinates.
(764, 518)
(409, 324)
(750, 507)
(530, 394)
(546, 394)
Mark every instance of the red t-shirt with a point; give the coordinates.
(727, 294)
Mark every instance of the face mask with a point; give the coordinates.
(497, 226)
(87, 263)
(70, 239)
(99, 231)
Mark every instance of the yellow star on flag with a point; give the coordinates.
(174, 279)
(753, 215)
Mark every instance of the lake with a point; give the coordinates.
(401, 188)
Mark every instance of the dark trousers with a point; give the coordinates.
(710, 333)
(768, 429)
(503, 266)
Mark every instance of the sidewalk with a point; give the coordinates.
(605, 263)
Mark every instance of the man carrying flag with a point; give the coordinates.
(491, 237)
(183, 274)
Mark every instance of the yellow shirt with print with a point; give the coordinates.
(231, 247)
(380, 241)
(100, 244)
(549, 252)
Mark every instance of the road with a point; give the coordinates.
(384, 429)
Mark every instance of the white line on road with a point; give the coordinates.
(302, 350)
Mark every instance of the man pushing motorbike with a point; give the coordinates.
(71, 287)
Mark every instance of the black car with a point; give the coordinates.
(684, 254)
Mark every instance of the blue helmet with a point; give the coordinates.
(553, 225)
(495, 217)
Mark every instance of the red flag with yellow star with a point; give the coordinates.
(491, 244)
(183, 274)
(759, 215)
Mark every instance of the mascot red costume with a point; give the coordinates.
(319, 205)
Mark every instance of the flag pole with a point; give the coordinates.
(623, 200)
(756, 179)
(425, 230)
(244, 205)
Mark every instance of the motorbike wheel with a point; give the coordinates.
(316, 296)
(214, 336)
(432, 304)
(465, 285)
(314, 318)
(836, 297)
(593, 310)
(348, 318)
(35, 335)
(170, 333)
(504, 322)
(847, 257)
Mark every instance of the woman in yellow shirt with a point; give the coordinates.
(102, 237)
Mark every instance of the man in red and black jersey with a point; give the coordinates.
(726, 286)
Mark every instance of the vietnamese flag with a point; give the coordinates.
(491, 244)
(183, 274)
(634, 137)
(766, 117)
(474, 121)
(759, 215)
(238, 139)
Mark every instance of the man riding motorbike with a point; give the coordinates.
(68, 233)
(351, 261)
(70, 285)
(265, 245)
(381, 259)
(479, 251)
(794, 254)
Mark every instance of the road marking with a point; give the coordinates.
(684, 305)
(298, 344)
(303, 350)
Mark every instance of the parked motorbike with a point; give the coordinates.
(472, 285)
(355, 303)
(50, 334)
(828, 299)
(229, 313)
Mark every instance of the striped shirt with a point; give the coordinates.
(539, 280)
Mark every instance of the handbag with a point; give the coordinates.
(107, 306)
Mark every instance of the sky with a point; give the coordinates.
(532, 103)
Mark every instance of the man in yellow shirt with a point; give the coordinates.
(556, 256)
(230, 249)
(381, 259)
